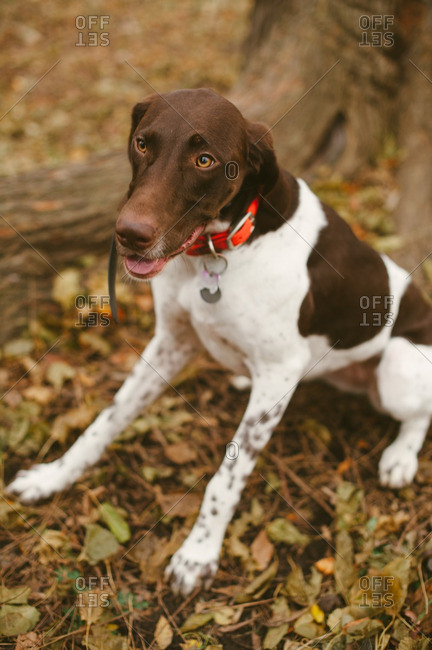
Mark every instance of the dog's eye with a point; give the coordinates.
(205, 160)
(141, 145)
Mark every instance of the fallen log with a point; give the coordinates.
(49, 219)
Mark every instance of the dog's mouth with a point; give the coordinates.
(144, 269)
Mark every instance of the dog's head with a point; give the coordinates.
(195, 160)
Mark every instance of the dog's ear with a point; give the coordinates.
(138, 112)
(261, 156)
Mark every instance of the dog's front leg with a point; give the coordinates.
(163, 358)
(196, 562)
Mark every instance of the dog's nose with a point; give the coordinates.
(135, 235)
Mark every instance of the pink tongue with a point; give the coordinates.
(141, 267)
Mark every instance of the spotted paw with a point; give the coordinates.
(39, 481)
(398, 466)
(187, 571)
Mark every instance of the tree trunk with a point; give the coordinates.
(414, 212)
(334, 80)
(49, 219)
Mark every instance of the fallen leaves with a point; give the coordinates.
(180, 453)
(259, 585)
(163, 635)
(99, 544)
(58, 373)
(281, 531)
(325, 565)
(116, 522)
(278, 624)
(16, 615)
(76, 418)
(301, 591)
(278, 583)
(262, 550)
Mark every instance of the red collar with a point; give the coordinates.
(229, 239)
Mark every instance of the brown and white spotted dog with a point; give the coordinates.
(295, 296)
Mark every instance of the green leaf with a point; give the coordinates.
(344, 569)
(282, 531)
(195, 621)
(99, 544)
(349, 506)
(115, 522)
(17, 619)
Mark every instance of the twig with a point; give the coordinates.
(314, 494)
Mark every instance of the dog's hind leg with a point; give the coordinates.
(162, 360)
(405, 390)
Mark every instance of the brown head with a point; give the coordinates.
(194, 159)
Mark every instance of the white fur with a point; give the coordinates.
(253, 331)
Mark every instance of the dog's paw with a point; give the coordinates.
(188, 570)
(38, 482)
(398, 466)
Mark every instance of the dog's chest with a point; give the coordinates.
(261, 293)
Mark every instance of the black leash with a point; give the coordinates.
(112, 269)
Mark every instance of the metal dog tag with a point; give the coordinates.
(210, 291)
(214, 266)
(210, 297)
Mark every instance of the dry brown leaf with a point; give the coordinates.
(390, 523)
(40, 394)
(195, 621)
(27, 641)
(301, 591)
(177, 504)
(344, 466)
(226, 615)
(262, 550)
(180, 453)
(258, 586)
(76, 418)
(163, 633)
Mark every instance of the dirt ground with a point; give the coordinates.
(318, 555)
